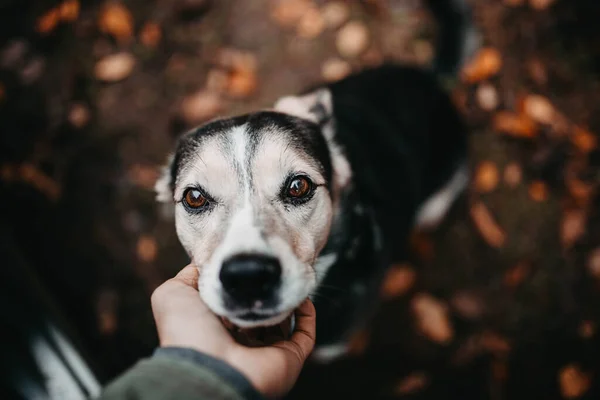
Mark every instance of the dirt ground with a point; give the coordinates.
(500, 302)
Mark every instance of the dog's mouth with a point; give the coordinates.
(253, 333)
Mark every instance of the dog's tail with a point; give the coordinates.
(457, 38)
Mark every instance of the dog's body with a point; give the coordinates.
(317, 197)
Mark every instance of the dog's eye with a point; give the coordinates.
(299, 187)
(194, 198)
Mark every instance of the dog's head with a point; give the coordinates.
(253, 200)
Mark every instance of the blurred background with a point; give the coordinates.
(500, 302)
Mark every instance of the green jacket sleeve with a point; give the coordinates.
(182, 374)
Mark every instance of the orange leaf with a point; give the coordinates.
(487, 226)
(514, 125)
(486, 63)
(47, 22)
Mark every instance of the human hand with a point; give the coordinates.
(183, 320)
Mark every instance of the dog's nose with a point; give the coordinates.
(247, 278)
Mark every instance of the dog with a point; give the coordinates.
(316, 197)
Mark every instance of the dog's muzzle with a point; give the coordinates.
(250, 283)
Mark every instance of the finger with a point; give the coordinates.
(304, 334)
(188, 276)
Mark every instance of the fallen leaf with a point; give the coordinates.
(352, 39)
(47, 22)
(486, 177)
(106, 308)
(487, 97)
(539, 109)
(593, 263)
(513, 174)
(572, 227)
(537, 71)
(538, 191)
(573, 381)
(150, 34)
(413, 383)
(40, 180)
(579, 190)
(514, 125)
(432, 318)
(201, 106)
(116, 20)
(398, 280)
(584, 140)
(115, 67)
(587, 329)
(485, 64)
(517, 274)
(79, 115)
(242, 83)
(358, 343)
(487, 226)
(217, 80)
(69, 10)
(287, 13)
(540, 4)
(144, 176)
(335, 13)
(311, 24)
(495, 344)
(467, 304)
(334, 69)
(147, 249)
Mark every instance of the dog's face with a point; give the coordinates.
(253, 208)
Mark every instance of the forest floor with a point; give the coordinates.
(501, 301)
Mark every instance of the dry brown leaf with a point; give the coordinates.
(513, 174)
(79, 115)
(47, 22)
(201, 106)
(422, 245)
(487, 226)
(514, 125)
(579, 190)
(487, 97)
(538, 191)
(540, 4)
(486, 177)
(517, 274)
(495, 344)
(236, 60)
(217, 80)
(432, 318)
(150, 34)
(335, 13)
(359, 342)
(398, 280)
(115, 67)
(413, 383)
(352, 39)
(69, 10)
(537, 71)
(107, 312)
(572, 227)
(116, 20)
(539, 109)
(334, 69)
(467, 305)
(242, 83)
(143, 175)
(584, 140)
(587, 329)
(288, 12)
(147, 249)
(593, 263)
(311, 24)
(573, 381)
(486, 63)
(40, 180)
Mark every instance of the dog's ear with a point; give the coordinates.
(315, 106)
(164, 184)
